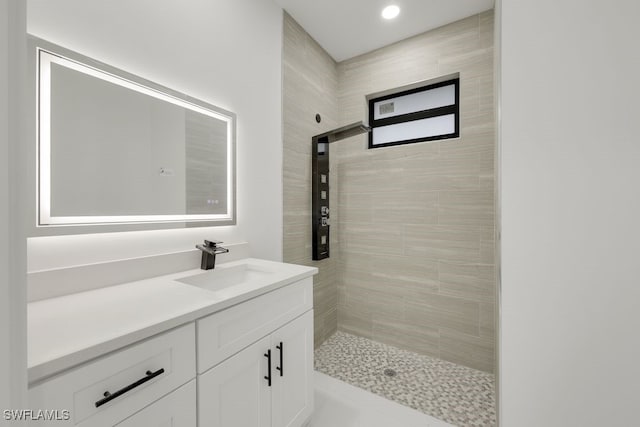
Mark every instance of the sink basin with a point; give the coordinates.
(225, 277)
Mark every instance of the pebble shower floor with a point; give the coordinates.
(456, 394)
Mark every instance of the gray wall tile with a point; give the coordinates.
(412, 260)
(417, 221)
(310, 85)
(477, 353)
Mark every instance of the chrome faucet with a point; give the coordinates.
(209, 251)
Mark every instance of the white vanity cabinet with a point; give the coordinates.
(292, 384)
(177, 409)
(235, 352)
(112, 388)
(255, 361)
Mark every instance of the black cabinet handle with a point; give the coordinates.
(108, 397)
(281, 367)
(268, 377)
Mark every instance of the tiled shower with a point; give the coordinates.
(412, 226)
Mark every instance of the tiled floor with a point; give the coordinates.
(456, 394)
(338, 404)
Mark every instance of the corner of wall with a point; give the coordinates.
(13, 329)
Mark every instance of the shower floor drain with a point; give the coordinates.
(390, 372)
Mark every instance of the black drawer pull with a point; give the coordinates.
(281, 367)
(108, 397)
(268, 377)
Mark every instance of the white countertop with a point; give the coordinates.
(72, 329)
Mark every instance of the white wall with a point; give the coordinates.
(5, 329)
(12, 242)
(225, 52)
(570, 164)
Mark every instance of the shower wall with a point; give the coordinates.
(416, 222)
(310, 86)
(412, 261)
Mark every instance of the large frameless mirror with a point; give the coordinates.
(116, 149)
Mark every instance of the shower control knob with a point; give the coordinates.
(325, 211)
(324, 221)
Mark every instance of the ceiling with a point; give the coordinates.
(348, 28)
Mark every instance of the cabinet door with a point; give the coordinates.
(235, 393)
(177, 409)
(293, 382)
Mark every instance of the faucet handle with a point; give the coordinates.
(211, 243)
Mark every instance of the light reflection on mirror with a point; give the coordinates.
(113, 150)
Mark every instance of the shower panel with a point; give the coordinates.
(320, 184)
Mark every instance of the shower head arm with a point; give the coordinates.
(343, 132)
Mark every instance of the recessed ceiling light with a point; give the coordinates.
(390, 12)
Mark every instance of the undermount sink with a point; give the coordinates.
(225, 277)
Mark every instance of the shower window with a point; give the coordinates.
(425, 113)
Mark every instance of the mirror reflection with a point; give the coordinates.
(112, 150)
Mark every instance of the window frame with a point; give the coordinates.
(417, 115)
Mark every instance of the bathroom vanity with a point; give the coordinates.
(231, 347)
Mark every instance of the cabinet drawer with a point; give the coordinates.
(110, 389)
(178, 409)
(229, 331)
